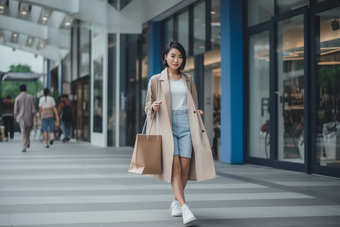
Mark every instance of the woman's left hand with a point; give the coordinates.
(200, 112)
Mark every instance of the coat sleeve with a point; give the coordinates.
(16, 106)
(150, 98)
(33, 106)
(194, 92)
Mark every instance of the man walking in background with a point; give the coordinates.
(8, 117)
(67, 116)
(24, 109)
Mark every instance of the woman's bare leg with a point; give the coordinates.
(46, 137)
(52, 135)
(185, 166)
(176, 180)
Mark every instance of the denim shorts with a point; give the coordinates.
(181, 133)
(47, 123)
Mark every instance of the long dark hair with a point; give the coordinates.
(181, 49)
(46, 92)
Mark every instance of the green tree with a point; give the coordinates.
(20, 69)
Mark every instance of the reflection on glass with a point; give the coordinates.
(290, 98)
(328, 90)
(288, 5)
(199, 28)
(212, 99)
(183, 30)
(169, 31)
(98, 95)
(74, 51)
(258, 97)
(215, 24)
(67, 74)
(84, 50)
(111, 96)
(144, 75)
(260, 11)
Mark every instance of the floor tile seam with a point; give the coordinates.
(136, 206)
(99, 216)
(133, 192)
(277, 186)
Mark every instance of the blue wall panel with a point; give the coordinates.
(154, 48)
(232, 111)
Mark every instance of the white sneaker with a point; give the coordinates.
(187, 215)
(175, 209)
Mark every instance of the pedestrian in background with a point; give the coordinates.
(24, 109)
(47, 110)
(8, 116)
(66, 113)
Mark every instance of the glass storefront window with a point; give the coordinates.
(84, 50)
(288, 5)
(212, 99)
(199, 28)
(111, 88)
(328, 89)
(260, 11)
(144, 72)
(169, 31)
(98, 95)
(290, 79)
(215, 24)
(258, 96)
(74, 61)
(183, 30)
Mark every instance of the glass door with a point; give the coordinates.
(290, 79)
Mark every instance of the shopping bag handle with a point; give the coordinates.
(146, 119)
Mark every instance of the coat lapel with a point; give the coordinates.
(187, 83)
(164, 80)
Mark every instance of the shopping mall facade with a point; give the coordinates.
(267, 71)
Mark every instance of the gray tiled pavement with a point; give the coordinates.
(80, 185)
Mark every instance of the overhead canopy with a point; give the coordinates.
(20, 76)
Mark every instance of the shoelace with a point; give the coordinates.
(186, 211)
(173, 204)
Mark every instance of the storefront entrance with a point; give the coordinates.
(292, 91)
(81, 102)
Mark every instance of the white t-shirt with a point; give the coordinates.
(46, 104)
(178, 95)
(49, 102)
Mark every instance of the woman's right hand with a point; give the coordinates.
(156, 105)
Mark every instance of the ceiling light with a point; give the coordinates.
(44, 18)
(213, 12)
(1, 7)
(1, 11)
(23, 13)
(15, 35)
(30, 40)
(67, 23)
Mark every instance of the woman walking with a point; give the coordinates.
(186, 152)
(47, 110)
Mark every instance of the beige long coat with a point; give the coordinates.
(202, 164)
